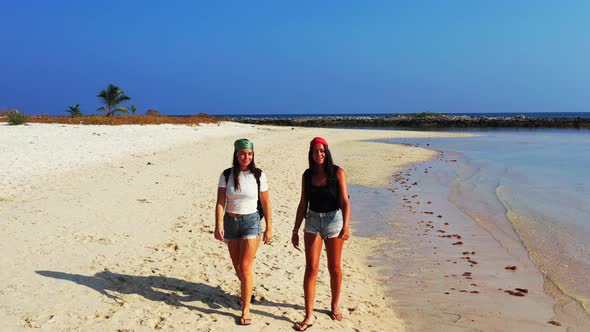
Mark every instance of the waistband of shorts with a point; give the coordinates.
(235, 215)
(322, 213)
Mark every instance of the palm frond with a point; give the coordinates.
(111, 97)
(123, 98)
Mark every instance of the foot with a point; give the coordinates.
(245, 321)
(336, 316)
(302, 326)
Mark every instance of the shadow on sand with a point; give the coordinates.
(172, 291)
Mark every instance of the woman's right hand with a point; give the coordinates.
(295, 240)
(219, 234)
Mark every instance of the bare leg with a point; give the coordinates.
(313, 250)
(334, 254)
(246, 261)
(234, 253)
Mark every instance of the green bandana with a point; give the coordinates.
(243, 143)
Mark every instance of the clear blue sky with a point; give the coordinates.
(236, 57)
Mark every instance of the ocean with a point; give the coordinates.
(538, 181)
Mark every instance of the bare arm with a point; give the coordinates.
(219, 208)
(344, 204)
(301, 209)
(265, 201)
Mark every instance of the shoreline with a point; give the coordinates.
(478, 190)
(142, 255)
(567, 311)
(471, 261)
(450, 272)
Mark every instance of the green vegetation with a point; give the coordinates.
(111, 97)
(152, 112)
(74, 111)
(133, 109)
(16, 118)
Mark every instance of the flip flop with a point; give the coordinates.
(337, 317)
(245, 321)
(302, 326)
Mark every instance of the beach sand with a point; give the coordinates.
(111, 228)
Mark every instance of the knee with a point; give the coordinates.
(245, 268)
(311, 270)
(335, 268)
(239, 271)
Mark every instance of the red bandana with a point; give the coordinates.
(318, 140)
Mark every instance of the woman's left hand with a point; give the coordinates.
(267, 237)
(344, 233)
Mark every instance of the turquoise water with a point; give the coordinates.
(540, 181)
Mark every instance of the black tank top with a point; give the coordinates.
(322, 199)
(326, 198)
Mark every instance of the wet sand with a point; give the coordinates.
(444, 269)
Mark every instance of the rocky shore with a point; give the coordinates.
(420, 121)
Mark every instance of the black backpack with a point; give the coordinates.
(257, 172)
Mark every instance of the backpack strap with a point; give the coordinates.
(257, 174)
(226, 173)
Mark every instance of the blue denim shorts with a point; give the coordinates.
(243, 227)
(327, 224)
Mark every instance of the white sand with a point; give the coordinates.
(114, 232)
(34, 150)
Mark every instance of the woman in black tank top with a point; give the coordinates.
(325, 206)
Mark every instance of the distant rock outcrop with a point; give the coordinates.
(421, 121)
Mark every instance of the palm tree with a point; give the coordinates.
(133, 109)
(74, 110)
(111, 97)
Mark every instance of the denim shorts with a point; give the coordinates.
(326, 224)
(243, 227)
